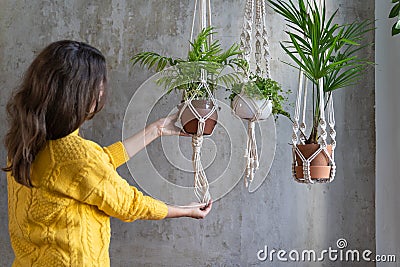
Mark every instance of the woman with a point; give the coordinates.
(62, 189)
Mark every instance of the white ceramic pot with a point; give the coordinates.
(246, 108)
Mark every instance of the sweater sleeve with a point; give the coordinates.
(117, 198)
(117, 154)
(94, 181)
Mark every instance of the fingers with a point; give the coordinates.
(168, 127)
(202, 212)
(173, 117)
(207, 207)
(182, 133)
(176, 131)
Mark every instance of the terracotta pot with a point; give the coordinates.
(320, 168)
(243, 107)
(190, 122)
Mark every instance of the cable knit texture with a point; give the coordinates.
(64, 220)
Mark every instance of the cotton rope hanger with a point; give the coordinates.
(201, 185)
(301, 107)
(254, 15)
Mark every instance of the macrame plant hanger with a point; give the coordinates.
(201, 185)
(299, 129)
(256, 48)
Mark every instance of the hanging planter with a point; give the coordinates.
(248, 102)
(325, 54)
(197, 78)
(189, 120)
(258, 96)
(248, 108)
(320, 167)
(254, 101)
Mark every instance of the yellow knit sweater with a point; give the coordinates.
(64, 220)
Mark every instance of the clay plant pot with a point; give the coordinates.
(244, 107)
(320, 168)
(190, 122)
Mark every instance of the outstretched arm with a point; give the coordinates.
(164, 126)
(197, 212)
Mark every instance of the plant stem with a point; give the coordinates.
(313, 138)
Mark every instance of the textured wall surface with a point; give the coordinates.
(281, 214)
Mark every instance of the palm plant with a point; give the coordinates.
(204, 58)
(322, 49)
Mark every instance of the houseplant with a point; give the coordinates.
(395, 12)
(206, 62)
(254, 100)
(326, 53)
(249, 96)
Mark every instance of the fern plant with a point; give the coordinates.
(204, 57)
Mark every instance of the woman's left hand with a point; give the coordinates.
(193, 210)
(166, 126)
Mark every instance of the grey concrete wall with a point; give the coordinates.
(387, 134)
(281, 214)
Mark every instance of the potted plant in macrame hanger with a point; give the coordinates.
(197, 76)
(326, 55)
(255, 100)
(258, 96)
(247, 98)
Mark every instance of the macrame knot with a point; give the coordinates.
(200, 126)
(251, 125)
(259, 112)
(197, 143)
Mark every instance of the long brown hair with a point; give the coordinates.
(61, 89)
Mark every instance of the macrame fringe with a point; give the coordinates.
(201, 186)
(251, 154)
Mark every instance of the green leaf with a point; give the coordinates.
(202, 56)
(349, 41)
(395, 11)
(319, 47)
(395, 31)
